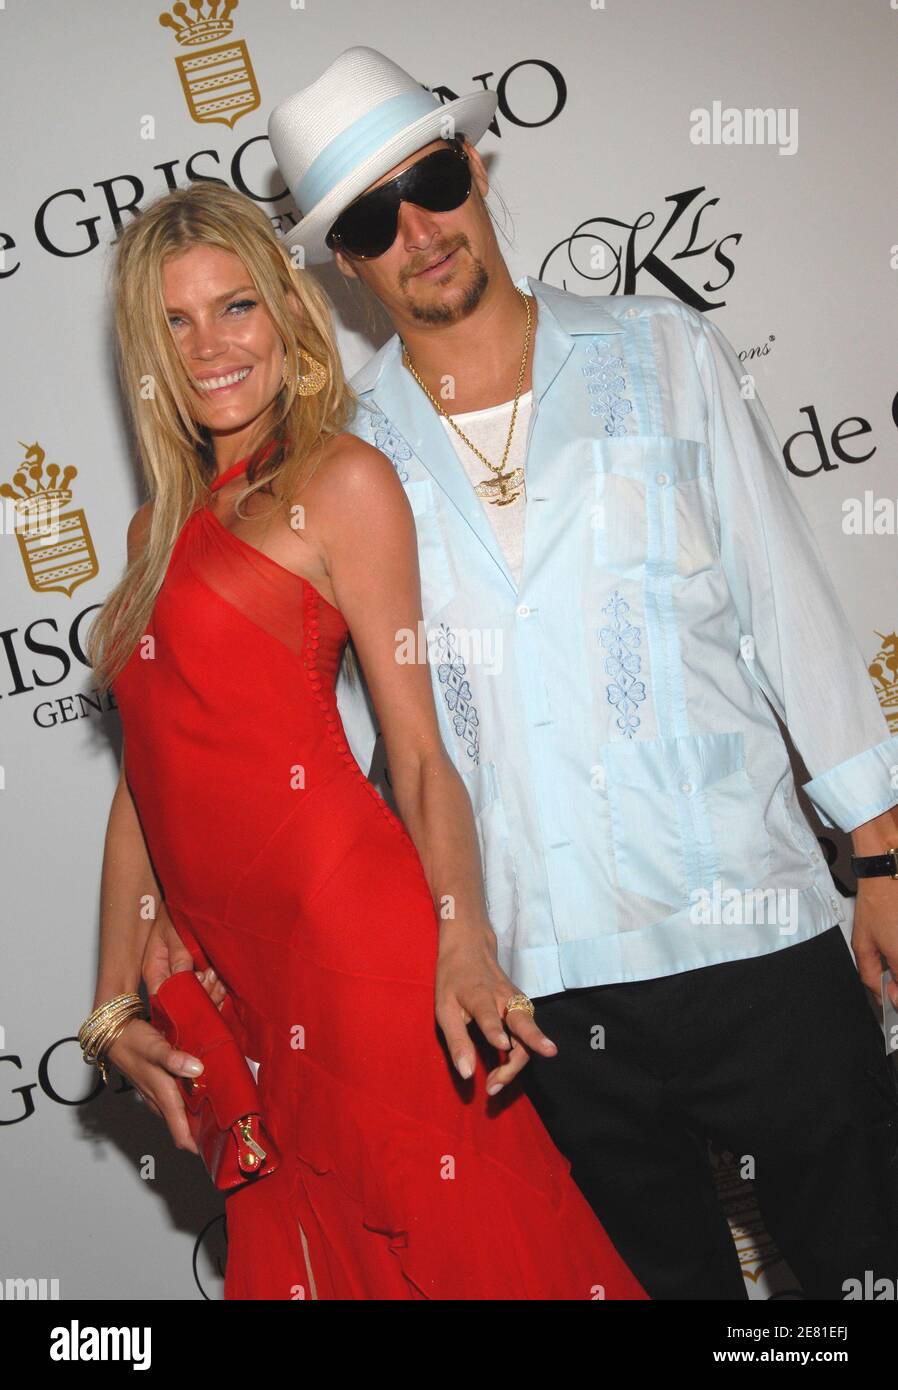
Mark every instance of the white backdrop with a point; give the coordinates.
(788, 241)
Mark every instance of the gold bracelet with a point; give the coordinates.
(98, 1024)
(100, 1029)
(99, 1047)
(96, 1021)
(95, 1048)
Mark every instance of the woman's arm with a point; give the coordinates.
(366, 532)
(130, 900)
(130, 895)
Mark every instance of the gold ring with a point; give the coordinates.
(520, 1001)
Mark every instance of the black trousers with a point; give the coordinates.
(779, 1058)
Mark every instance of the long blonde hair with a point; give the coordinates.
(176, 451)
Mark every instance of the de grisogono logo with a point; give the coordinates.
(58, 556)
(55, 544)
(218, 81)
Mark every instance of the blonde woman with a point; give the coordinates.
(271, 538)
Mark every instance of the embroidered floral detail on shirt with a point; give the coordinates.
(387, 438)
(452, 673)
(623, 664)
(607, 381)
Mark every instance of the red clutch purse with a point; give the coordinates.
(223, 1101)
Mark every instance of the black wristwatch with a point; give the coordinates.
(875, 865)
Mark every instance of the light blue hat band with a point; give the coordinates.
(359, 140)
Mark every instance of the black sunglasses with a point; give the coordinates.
(439, 182)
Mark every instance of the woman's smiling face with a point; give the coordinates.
(231, 349)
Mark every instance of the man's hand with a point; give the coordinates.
(470, 985)
(875, 932)
(165, 954)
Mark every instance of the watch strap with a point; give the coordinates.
(876, 865)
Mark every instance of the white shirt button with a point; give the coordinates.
(686, 787)
(522, 610)
(661, 478)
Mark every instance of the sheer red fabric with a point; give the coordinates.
(284, 869)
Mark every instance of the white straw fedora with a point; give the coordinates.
(360, 117)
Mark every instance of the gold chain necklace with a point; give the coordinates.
(505, 487)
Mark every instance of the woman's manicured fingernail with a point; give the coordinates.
(464, 1066)
(192, 1068)
(494, 1089)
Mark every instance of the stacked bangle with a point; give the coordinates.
(101, 1028)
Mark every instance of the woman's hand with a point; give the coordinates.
(165, 954)
(470, 984)
(144, 1057)
(141, 1052)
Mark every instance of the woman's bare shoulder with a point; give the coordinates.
(355, 497)
(351, 469)
(348, 450)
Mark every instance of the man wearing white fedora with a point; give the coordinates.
(619, 589)
(600, 508)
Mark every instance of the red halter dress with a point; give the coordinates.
(283, 868)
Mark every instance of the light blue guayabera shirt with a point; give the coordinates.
(630, 784)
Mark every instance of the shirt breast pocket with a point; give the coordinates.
(683, 813)
(437, 582)
(654, 506)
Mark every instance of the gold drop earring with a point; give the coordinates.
(310, 383)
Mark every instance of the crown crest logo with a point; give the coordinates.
(43, 500)
(205, 25)
(56, 545)
(218, 80)
(884, 670)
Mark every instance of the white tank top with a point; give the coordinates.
(488, 429)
